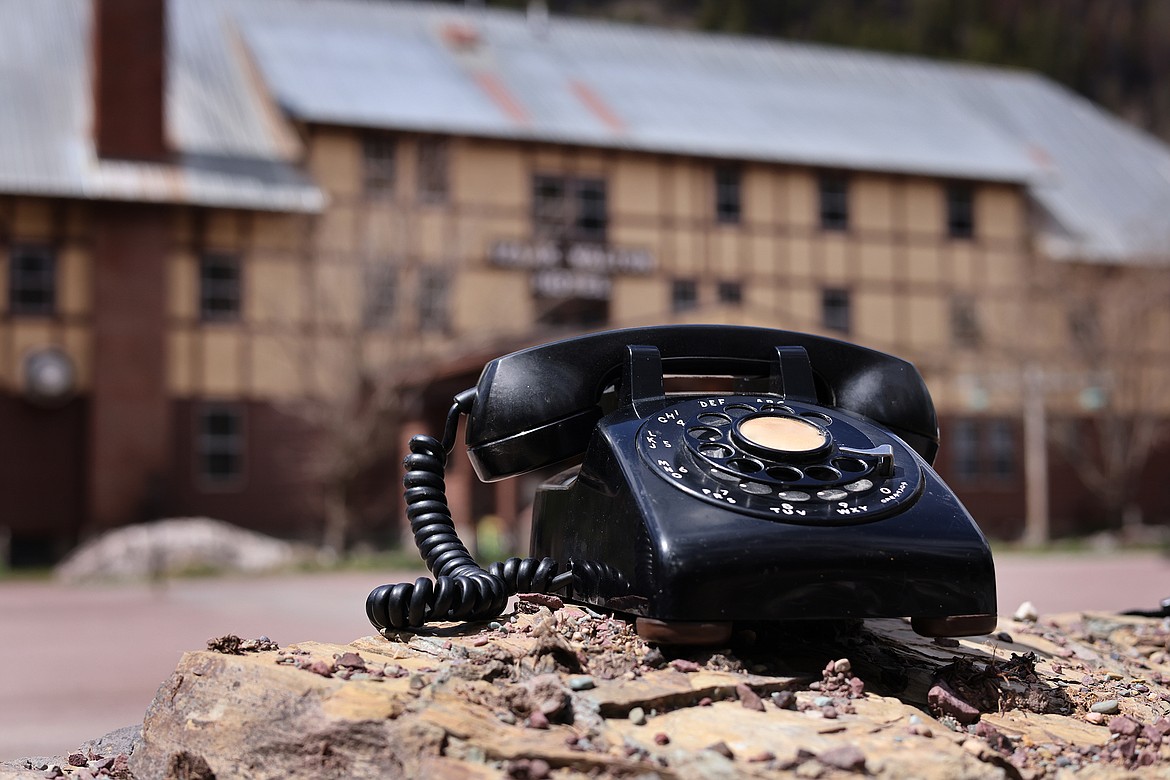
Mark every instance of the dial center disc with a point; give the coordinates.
(784, 434)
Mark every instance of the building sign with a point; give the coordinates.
(572, 271)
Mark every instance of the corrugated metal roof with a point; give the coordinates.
(228, 153)
(390, 64)
(1102, 185)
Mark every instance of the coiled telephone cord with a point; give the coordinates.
(462, 589)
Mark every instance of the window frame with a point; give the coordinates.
(433, 175)
(728, 194)
(833, 301)
(22, 281)
(833, 201)
(966, 329)
(684, 294)
(730, 292)
(434, 299)
(985, 450)
(966, 450)
(212, 290)
(960, 210)
(212, 444)
(381, 291)
(379, 165)
(566, 208)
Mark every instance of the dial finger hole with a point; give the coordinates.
(738, 409)
(716, 451)
(703, 433)
(746, 465)
(822, 473)
(785, 473)
(723, 476)
(850, 465)
(817, 417)
(714, 419)
(755, 488)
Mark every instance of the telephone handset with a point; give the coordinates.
(805, 492)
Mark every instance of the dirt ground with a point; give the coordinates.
(77, 662)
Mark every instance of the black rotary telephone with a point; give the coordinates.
(804, 493)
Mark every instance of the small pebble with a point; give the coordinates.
(638, 716)
(1026, 613)
(581, 683)
(661, 739)
(842, 666)
(1096, 718)
(1004, 636)
(822, 701)
(495, 625)
(1107, 707)
(785, 700)
(946, 641)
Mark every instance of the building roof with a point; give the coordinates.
(1100, 185)
(229, 154)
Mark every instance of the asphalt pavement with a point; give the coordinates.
(79, 661)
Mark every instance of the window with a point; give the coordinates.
(834, 190)
(380, 307)
(32, 280)
(965, 329)
(731, 293)
(983, 448)
(379, 165)
(684, 295)
(727, 194)
(1001, 449)
(569, 209)
(835, 310)
(960, 211)
(432, 170)
(1084, 326)
(220, 445)
(575, 312)
(219, 287)
(432, 299)
(965, 441)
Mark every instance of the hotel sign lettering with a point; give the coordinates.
(573, 270)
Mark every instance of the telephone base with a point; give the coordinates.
(954, 625)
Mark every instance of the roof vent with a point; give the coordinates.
(460, 36)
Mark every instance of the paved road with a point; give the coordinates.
(76, 663)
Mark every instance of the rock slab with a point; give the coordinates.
(564, 693)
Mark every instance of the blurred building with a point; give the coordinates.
(211, 211)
